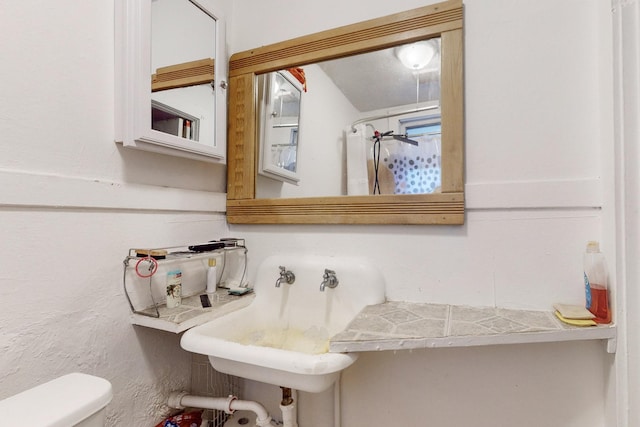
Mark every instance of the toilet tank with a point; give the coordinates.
(68, 401)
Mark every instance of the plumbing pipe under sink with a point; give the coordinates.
(181, 400)
(288, 407)
(289, 415)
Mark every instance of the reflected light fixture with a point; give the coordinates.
(415, 56)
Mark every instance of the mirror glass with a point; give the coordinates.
(371, 125)
(279, 105)
(183, 41)
(376, 146)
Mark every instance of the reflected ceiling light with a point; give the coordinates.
(415, 56)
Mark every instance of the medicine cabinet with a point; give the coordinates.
(171, 72)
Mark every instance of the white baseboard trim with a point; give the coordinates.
(26, 189)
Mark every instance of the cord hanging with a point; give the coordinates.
(377, 138)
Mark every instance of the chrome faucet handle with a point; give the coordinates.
(329, 279)
(285, 275)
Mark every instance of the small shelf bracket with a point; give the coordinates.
(612, 344)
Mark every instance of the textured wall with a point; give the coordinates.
(538, 152)
(65, 310)
(73, 202)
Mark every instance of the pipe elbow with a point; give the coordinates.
(262, 416)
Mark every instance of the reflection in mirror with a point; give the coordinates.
(323, 147)
(280, 98)
(183, 40)
(372, 125)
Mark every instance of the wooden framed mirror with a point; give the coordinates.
(446, 206)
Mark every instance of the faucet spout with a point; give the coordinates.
(329, 279)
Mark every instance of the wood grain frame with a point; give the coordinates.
(443, 20)
(187, 74)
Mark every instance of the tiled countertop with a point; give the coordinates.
(397, 325)
(403, 325)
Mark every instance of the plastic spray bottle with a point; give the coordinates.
(595, 283)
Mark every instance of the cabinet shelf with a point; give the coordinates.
(174, 122)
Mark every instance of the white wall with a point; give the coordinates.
(539, 173)
(538, 153)
(73, 202)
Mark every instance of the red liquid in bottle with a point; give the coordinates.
(600, 304)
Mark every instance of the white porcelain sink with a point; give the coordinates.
(282, 337)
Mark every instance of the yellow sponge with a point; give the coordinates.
(575, 322)
(569, 311)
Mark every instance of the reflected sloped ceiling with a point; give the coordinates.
(378, 80)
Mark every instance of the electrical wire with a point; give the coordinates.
(244, 269)
(376, 160)
(124, 284)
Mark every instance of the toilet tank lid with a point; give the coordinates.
(62, 402)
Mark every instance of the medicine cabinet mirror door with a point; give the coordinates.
(279, 97)
(171, 78)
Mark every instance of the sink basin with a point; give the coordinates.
(282, 337)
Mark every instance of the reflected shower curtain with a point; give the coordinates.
(357, 149)
(403, 169)
(416, 170)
